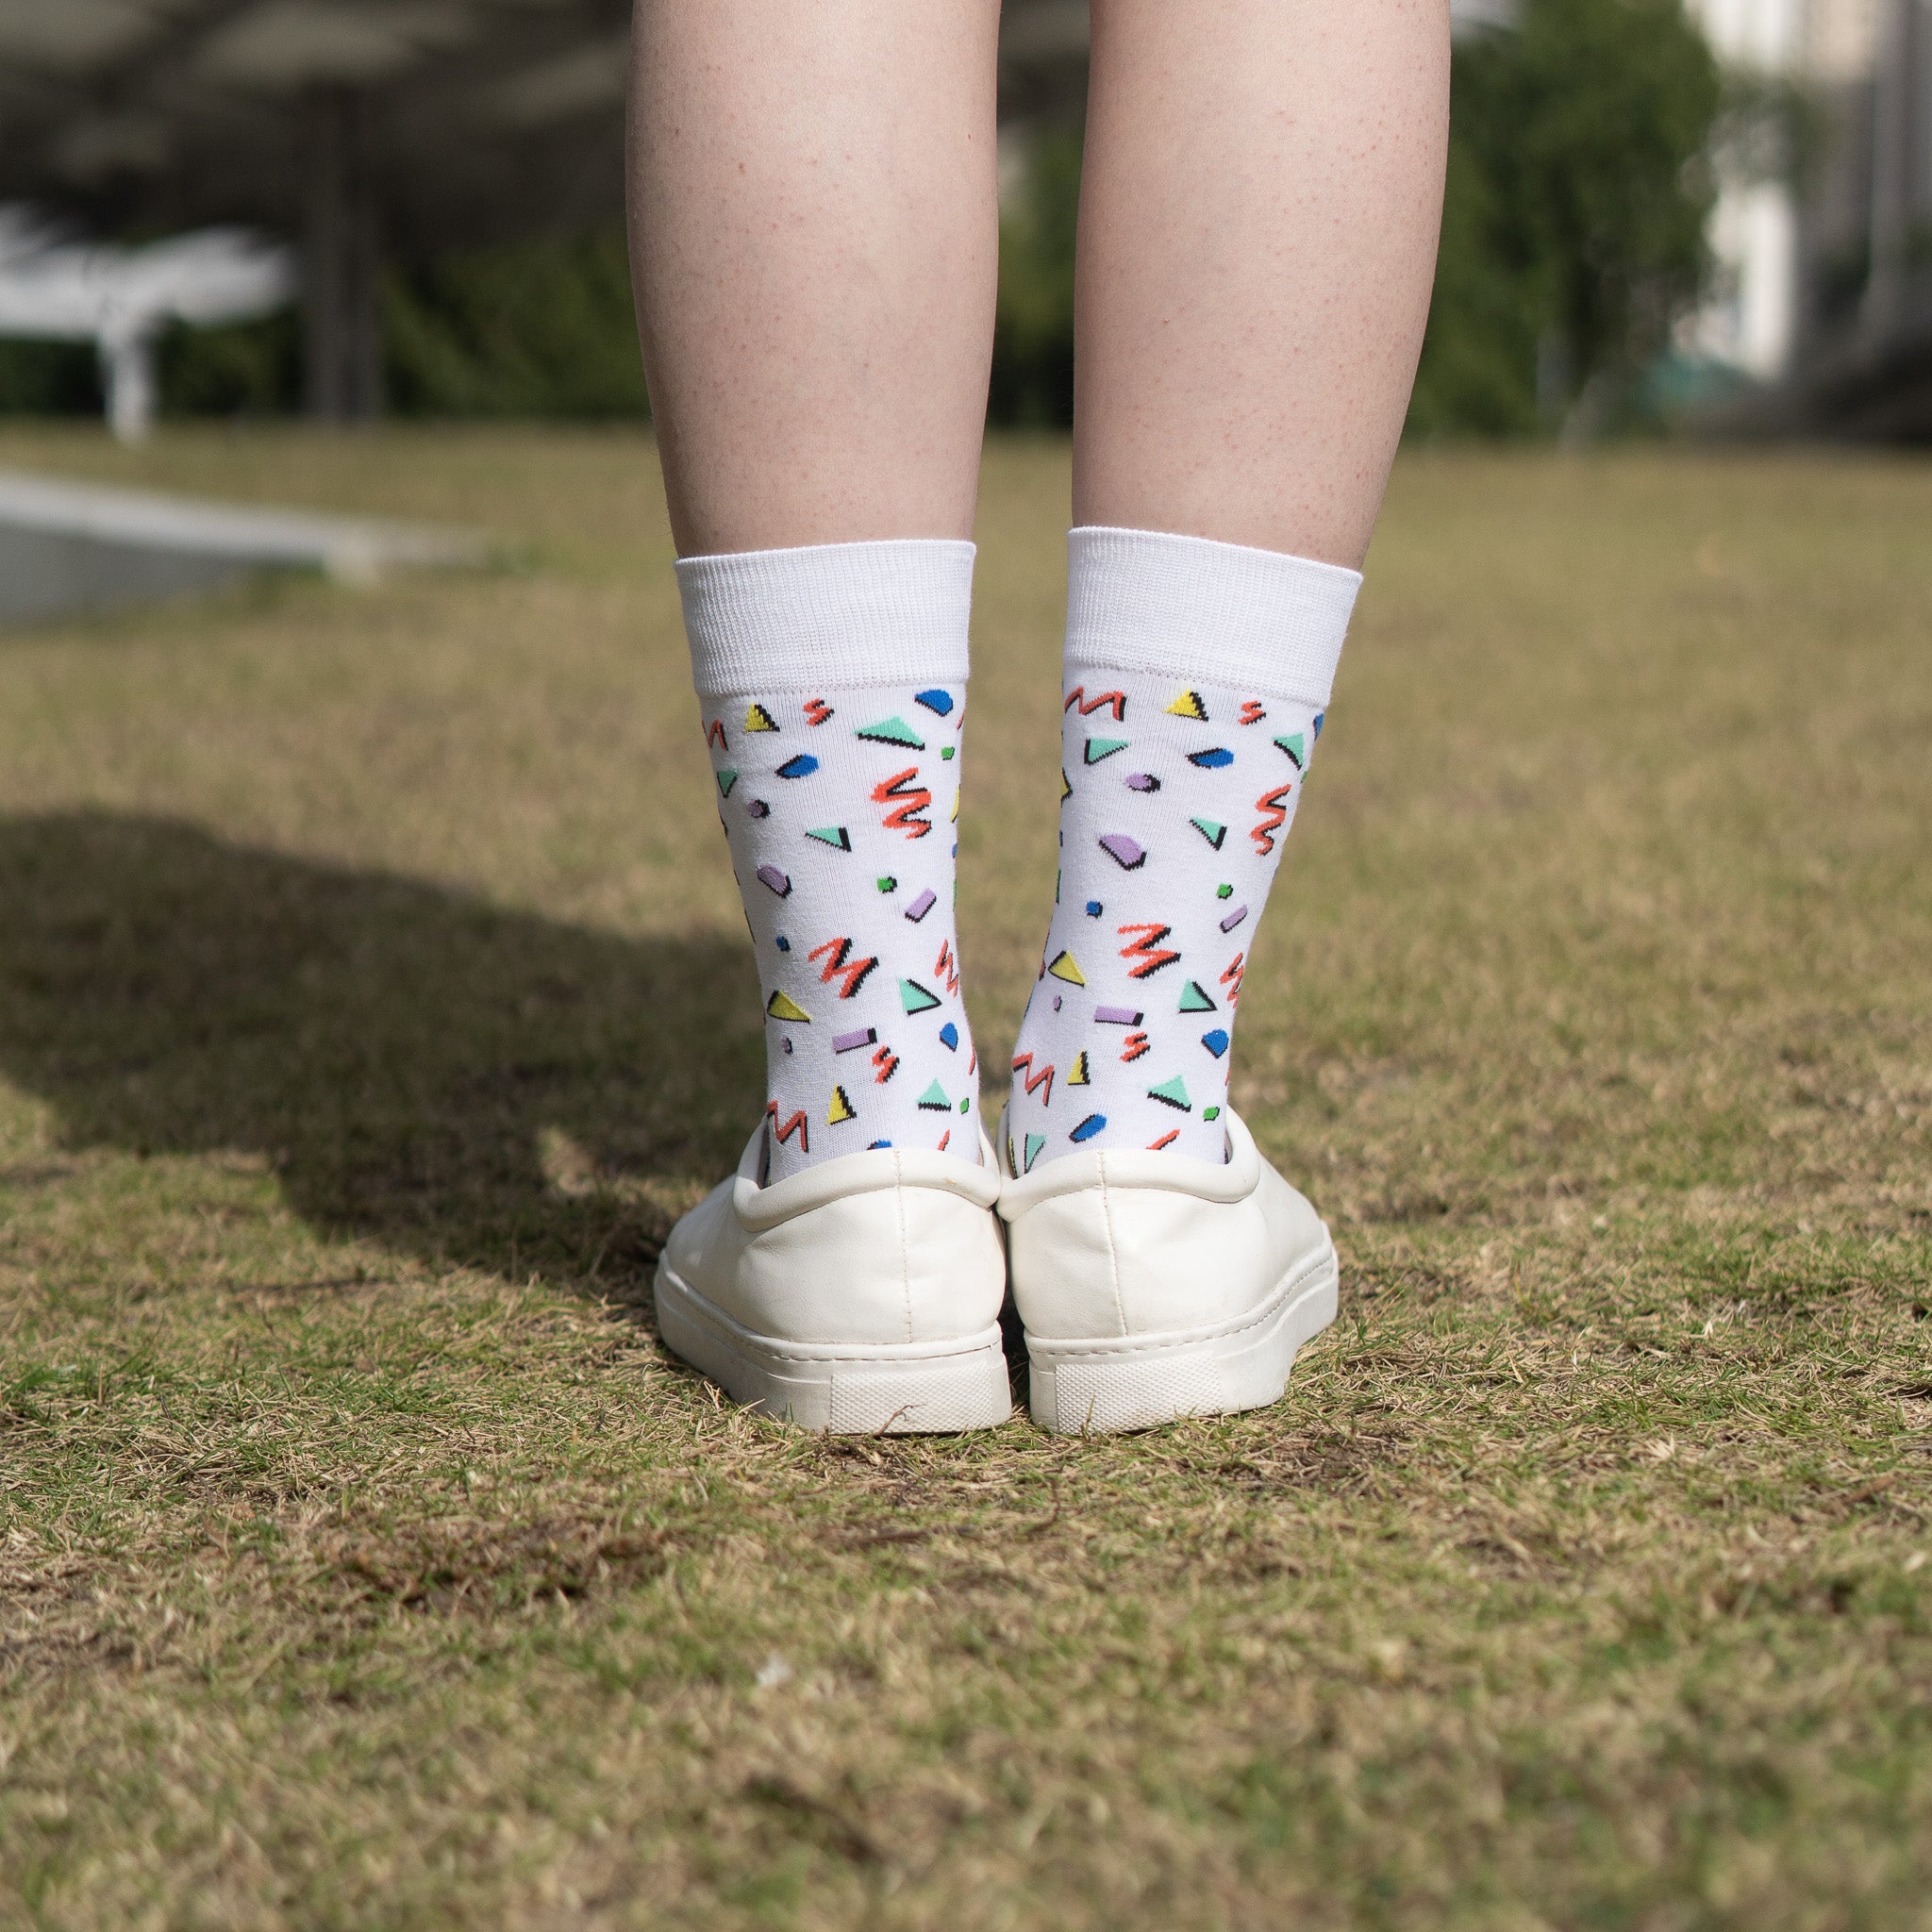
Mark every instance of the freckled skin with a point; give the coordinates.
(815, 243)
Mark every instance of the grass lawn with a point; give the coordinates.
(374, 994)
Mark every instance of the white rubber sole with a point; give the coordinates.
(1140, 1382)
(911, 1389)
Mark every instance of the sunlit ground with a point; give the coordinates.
(374, 994)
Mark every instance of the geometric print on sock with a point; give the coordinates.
(839, 810)
(1175, 797)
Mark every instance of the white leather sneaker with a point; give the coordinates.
(1153, 1286)
(861, 1296)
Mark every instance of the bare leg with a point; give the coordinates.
(814, 239)
(1258, 217)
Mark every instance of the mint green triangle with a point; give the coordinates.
(1034, 1143)
(893, 731)
(935, 1095)
(1098, 748)
(834, 835)
(725, 781)
(1295, 746)
(1175, 1093)
(1209, 830)
(915, 998)
(1193, 1000)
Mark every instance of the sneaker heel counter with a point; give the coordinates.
(1065, 1269)
(953, 1265)
(1185, 1261)
(837, 1273)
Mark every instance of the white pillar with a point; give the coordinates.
(1891, 169)
(1749, 320)
(127, 362)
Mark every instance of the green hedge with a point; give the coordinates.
(544, 328)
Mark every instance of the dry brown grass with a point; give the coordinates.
(373, 994)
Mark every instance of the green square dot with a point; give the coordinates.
(1223, 891)
(946, 751)
(1210, 1113)
(889, 885)
(965, 1106)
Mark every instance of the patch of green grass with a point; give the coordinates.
(374, 994)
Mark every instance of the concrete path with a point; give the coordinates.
(68, 546)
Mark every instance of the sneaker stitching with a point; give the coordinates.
(905, 1243)
(1113, 1259)
(807, 1354)
(1157, 1344)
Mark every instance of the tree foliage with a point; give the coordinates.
(1574, 222)
(1573, 228)
(1033, 325)
(535, 328)
(48, 378)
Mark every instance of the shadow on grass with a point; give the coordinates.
(406, 1057)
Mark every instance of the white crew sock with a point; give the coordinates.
(832, 684)
(1195, 677)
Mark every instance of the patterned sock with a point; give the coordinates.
(832, 685)
(1195, 677)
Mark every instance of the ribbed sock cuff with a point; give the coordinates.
(837, 615)
(1188, 606)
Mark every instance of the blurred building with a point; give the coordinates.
(359, 127)
(1822, 231)
(120, 299)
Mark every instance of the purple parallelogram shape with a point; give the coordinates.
(1234, 919)
(851, 1042)
(771, 876)
(920, 906)
(1116, 1016)
(1126, 852)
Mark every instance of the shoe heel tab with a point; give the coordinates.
(874, 1170)
(1135, 1167)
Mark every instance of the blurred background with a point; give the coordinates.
(375, 993)
(1714, 215)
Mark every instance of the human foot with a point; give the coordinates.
(860, 1297)
(1155, 1286)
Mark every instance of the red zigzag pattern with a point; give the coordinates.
(1023, 1065)
(913, 800)
(1115, 700)
(854, 975)
(1152, 955)
(1270, 802)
